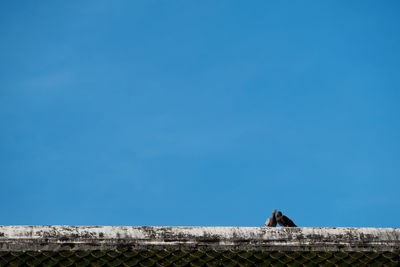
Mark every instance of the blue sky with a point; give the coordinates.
(203, 113)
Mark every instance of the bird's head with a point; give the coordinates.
(274, 211)
(279, 214)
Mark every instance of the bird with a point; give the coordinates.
(271, 221)
(284, 221)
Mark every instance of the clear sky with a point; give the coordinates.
(200, 113)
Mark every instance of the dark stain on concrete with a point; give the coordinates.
(286, 239)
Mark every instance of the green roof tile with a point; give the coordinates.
(197, 258)
(197, 246)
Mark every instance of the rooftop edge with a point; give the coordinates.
(55, 238)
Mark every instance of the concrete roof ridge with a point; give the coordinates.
(65, 237)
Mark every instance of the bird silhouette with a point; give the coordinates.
(271, 221)
(284, 221)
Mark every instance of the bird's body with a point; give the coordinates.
(284, 221)
(271, 221)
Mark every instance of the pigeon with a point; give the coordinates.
(284, 221)
(271, 221)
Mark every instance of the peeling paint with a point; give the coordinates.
(222, 238)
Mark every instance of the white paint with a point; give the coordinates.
(262, 238)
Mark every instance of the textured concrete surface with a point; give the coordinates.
(22, 238)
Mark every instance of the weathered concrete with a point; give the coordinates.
(21, 238)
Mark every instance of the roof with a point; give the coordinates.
(196, 246)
